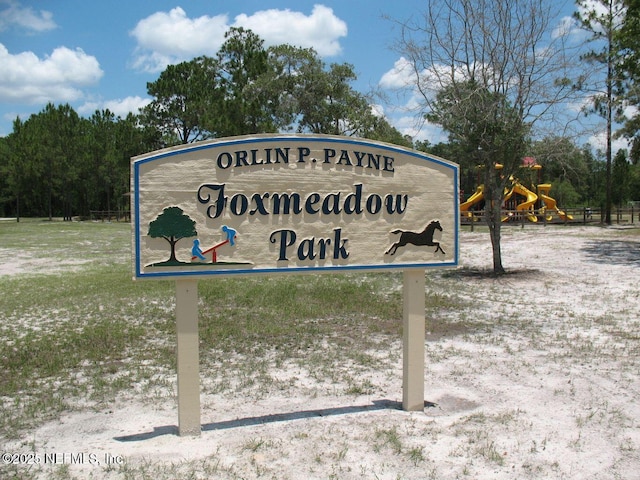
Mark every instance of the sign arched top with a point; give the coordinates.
(291, 204)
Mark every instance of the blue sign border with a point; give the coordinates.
(288, 270)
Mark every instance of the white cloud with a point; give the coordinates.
(124, 106)
(620, 144)
(596, 10)
(400, 82)
(599, 141)
(401, 75)
(593, 11)
(631, 111)
(377, 110)
(420, 129)
(26, 78)
(401, 78)
(120, 107)
(9, 117)
(25, 18)
(165, 38)
(568, 27)
(404, 76)
(321, 30)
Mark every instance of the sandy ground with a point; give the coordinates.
(534, 375)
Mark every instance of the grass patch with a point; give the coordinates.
(76, 330)
(389, 438)
(296, 311)
(541, 372)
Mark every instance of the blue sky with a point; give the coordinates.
(100, 54)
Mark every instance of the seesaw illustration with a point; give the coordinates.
(198, 254)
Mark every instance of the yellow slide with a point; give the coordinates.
(529, 203)
(549, 202)
(477, 197)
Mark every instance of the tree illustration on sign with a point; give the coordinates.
(172, 225)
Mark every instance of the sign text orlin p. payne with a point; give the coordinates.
(291, 203)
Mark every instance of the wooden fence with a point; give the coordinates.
(579, 216)
(108, 215)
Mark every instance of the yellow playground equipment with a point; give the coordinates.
(526, 199)
(550, 203)
(527, 207)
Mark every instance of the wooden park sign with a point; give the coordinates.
(273, 204)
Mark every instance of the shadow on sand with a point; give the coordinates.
(273, 418)
(619, 252)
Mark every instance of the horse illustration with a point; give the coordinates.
(424, 237)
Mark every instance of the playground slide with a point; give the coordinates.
(551, 203)
(528, 204)
(477, 197)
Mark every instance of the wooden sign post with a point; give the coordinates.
(291, 204)
(188, 353)
(413, 333)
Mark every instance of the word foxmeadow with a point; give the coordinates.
(294, 203)
(291, 203)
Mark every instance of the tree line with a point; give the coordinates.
(57, 163)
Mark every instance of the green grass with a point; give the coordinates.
(77, 333)
(239, 314)
(77, 330)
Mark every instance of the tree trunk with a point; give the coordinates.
(494, 221)
(493, 209)
(494, 232)
(608, 197)
(173, 242)
(50, 199)
(49, 202)
(610, 100)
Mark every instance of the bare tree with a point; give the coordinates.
(489, 72)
